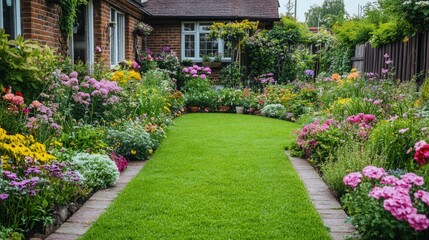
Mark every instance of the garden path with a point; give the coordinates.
(216, 176)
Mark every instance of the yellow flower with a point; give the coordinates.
(417, 103)
(133, 152)
(167, 109)
(150, 151)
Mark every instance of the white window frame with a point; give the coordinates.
(16, 17)
(117, 33)
(196, 34)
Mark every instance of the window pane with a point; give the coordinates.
(190, 46)
(112, 38)
(205, 27)
(227, 49)
(208, 46)
(121, 36)
(189, 27)
(8, 13)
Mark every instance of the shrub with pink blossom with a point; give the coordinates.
(386, 205)
(196, 71)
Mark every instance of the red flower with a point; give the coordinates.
(422, 155)
(18, 94)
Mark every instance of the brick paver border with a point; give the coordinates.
(326, 204)
(81, 221)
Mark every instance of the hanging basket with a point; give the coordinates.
(142, 29)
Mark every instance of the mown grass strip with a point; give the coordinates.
(216, 176)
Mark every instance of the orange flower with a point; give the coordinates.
(335, 77)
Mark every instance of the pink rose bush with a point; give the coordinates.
(378, 200)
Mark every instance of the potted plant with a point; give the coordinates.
(213, 61)
(227, 98)
(192, 101)
(239, 102)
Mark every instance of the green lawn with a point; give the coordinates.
(216, 176)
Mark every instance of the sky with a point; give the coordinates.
(304, 5)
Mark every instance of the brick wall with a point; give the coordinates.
(40, 21)
(165, 34)
(101, 29)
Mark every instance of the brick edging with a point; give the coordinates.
(326, 204)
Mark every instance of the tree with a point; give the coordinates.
(290, 9)
(331, 12)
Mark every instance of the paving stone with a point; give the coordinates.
(325, 203)
(73, 228)
(57, 236)
(96, 204)
(86, 215)
(103, 195)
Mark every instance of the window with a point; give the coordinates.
(117, 37)
(196, 42)
(10, 18)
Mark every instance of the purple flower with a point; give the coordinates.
(166, 49)
(384, 71)
(98, 49)
(4, 196)
(31, 170)
(203, 76)
(309, 72)
(386, 55)
(10, 175)
(73, 74)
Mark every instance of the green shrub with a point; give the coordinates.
(98, 170)
(230, 76)
(354, 32)
(349, 157)
(387, 33)
(272, 110)
(131, 141)
(24, 65)
(85, 138)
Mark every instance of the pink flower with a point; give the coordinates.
(419, 144)
(8, 97)
(412, 178)
(390, 180)
(418, 221)
(73, 74)
(352, 179)
(185, 70)
(402, 131)
(17, 100)
(423, 195)
(36, 104)
(373, 172)
(98, 49)
(203, 76)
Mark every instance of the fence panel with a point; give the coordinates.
(409, 57)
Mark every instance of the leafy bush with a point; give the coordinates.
(349, 157)
(230, 76)
(98, 170)
(85, 137)
(131, 141)
(354, 32)
(272, 110)
(24, 64)
(387, 33)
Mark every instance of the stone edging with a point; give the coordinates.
(81, 221)
(326, 204)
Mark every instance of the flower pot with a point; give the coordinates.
(239, 109)
(194, 109)
(223, 108)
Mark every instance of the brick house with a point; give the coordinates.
(181, 24)
(108, 24)
(184, 25)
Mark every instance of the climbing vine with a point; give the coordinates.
(68, 14)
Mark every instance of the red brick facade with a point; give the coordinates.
(165, 34)
(40, 21)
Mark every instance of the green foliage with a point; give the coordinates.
(98, 170)
(85, 137)
(10, 234)
(231, 76)
(329, 13)
(131, 140)
(353, 32)
(24, 64)
(386, 33)
(272, 110)
(386, 139)
(68, 15)
(350, 157)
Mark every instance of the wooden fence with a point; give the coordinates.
(409, 57)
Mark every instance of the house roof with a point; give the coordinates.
(214, 9)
